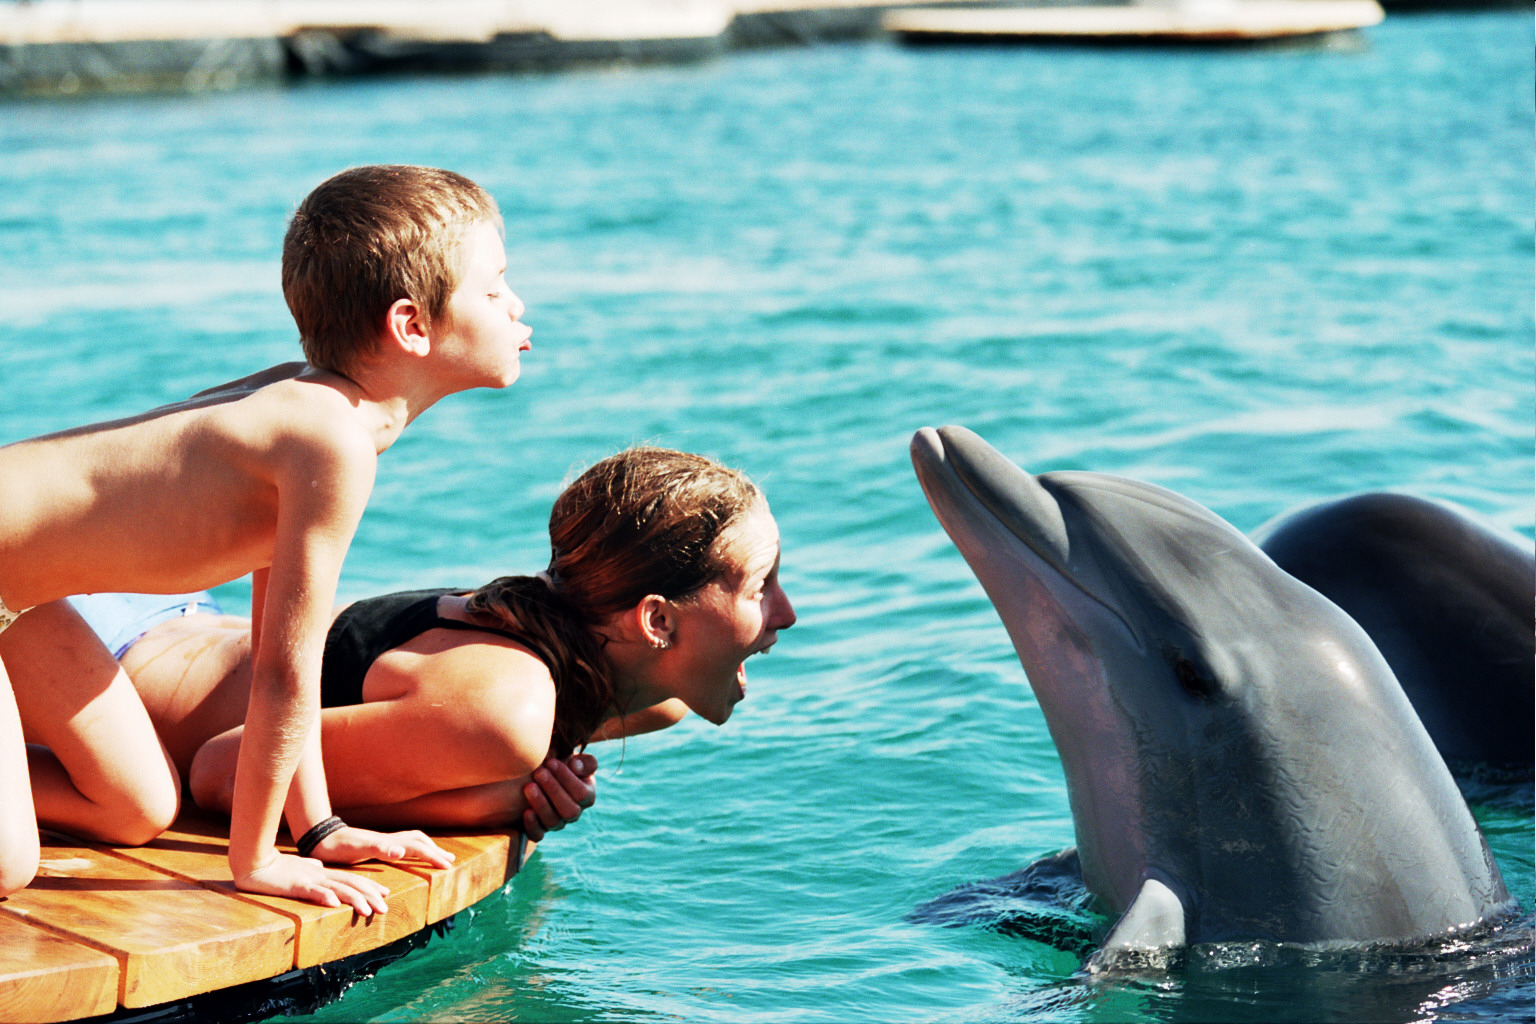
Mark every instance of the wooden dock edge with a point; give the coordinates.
(106, 930)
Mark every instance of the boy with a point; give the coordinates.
(395, 279)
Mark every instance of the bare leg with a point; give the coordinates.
(18, 822)
(194, 675)
(98, 770)
(211, 780)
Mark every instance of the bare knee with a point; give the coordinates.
(161, 813)
(145, 820)
(18, 863)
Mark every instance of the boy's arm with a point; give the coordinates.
(322, 486)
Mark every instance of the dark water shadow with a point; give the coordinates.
(1046, 902)
(1485, 975)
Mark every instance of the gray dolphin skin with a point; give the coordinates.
(1240, 762)
(1447, 599)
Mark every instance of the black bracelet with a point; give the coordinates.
(313, 837)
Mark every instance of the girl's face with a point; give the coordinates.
(729, 620)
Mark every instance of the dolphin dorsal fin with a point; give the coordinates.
(1153, 923)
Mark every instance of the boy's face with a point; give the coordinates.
(483, 325)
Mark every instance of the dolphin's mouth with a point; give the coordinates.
(1015, 498)
(952, 461)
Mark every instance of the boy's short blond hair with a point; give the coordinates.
(367, 237)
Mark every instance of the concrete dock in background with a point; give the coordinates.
(1191, 23)
(64, 46)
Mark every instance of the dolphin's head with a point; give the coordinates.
(1199, 697)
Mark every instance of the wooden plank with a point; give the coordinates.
(483, 864)
(172, 938)
(1194, 21)
(102, 926)
(196, 848)
(44, 977)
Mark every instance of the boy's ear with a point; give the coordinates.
(406, 324)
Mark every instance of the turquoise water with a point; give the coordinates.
(1256, 278)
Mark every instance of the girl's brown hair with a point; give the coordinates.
(644, 521)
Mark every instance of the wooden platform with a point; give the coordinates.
(1195, 22)
(108, 927)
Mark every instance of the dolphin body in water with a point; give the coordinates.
(1447, 600)
(1240, 762)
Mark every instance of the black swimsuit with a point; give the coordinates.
(368, 628)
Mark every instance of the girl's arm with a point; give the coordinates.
(471, 714)
(544, 802)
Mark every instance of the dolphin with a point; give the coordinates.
(1448, 601)
(1240, 763)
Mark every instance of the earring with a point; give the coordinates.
(659, 644)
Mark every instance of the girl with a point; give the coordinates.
(455, 708)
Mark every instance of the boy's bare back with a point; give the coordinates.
(189, 495)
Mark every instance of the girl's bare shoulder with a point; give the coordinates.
(492, 692)
(481, 670)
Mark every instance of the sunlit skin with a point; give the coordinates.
(266, 475)
(455, 726)
(484, 334)
(694, 649)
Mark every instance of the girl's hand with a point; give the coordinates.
(350, 845)
(304, 878)
(557, 793)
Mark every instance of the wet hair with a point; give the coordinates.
(644, 521)
(367, 237)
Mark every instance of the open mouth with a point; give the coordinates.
(741, 670)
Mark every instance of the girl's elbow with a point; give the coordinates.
(495, 807)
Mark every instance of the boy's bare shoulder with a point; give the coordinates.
(290, 397)
(299, 416)
(255, 381)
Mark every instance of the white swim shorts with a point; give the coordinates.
(7, 616)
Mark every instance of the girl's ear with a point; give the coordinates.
(654, 616)
(406, 324)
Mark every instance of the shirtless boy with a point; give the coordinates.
(395, 276)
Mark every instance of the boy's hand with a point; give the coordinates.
(557, 794)
(304, 878)
(350, 845)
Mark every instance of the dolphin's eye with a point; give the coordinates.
(1194, 684)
